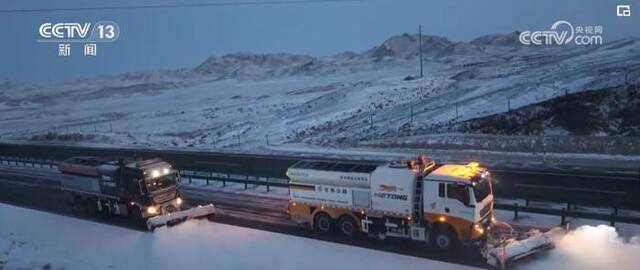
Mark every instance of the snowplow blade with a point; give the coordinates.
(180, 216)
(511, 250)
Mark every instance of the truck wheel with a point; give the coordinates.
(347, 226)
(444, 239)
(323, 223)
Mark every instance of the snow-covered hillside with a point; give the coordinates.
(249, 100)
(610, 112)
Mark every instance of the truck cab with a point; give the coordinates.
(458, 199)
(156, 187)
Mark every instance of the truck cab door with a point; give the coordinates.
(458, 202)
(434, 198)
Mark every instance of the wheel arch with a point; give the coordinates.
(446, 226)
(335, 214)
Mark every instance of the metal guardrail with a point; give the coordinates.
(563, 213)
(226, 177)
(275, 165)
(269, 182)
(28, 162)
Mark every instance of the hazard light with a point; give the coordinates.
(478, 228)
(468, 170)
(158, 172)
(152, 210)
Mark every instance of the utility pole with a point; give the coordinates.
(371, 120)
(420, 47)
(371, 132)
(626, 77)
(411, 122)
(456, 112)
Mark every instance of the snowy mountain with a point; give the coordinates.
(250, 100)
(510, 39)
(248, 65)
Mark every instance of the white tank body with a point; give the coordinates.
(379, 188)
(393, 189)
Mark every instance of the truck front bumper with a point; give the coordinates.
(479, 230)
(162, 209)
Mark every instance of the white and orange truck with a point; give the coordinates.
(420, 200)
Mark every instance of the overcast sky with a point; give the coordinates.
(184, 37)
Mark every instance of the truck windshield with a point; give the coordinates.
(162, 182)
(482, 189)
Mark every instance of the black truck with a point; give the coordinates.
(142, 189)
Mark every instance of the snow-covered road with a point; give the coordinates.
(31, 239)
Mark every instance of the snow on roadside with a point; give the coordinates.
(31, 239)
(591, 247)
(590, 244)
(548, 221)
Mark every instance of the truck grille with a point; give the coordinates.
(164, 197)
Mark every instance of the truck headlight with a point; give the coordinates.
(152, 210)
(478, 228)
(179, 201)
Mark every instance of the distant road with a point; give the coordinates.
(595, 186)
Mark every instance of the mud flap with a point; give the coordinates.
(180, 216)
